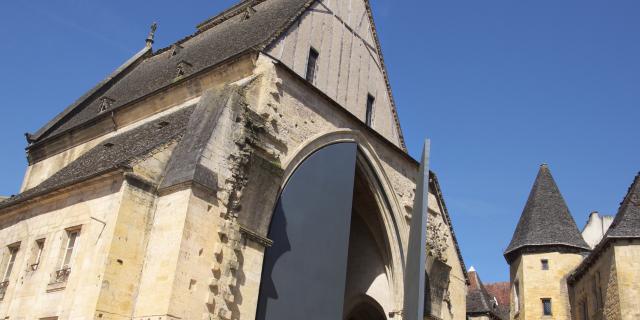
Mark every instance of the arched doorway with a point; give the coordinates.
(366, 310)
(326, 218)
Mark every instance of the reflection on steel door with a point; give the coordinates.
(304, 272)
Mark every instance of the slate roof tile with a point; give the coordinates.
(119, 151)
(206, 48)
(546, 220)
(479, 301)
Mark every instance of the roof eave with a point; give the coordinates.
(100, 117)
(509, 253)
(8, 204)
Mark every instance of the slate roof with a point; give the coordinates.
(218, 40)
(546, 220)
(626, 224)
(249, 26)
(479, 301)
(120, 151)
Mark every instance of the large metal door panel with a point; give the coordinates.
(304, 272)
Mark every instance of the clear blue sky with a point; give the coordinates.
(499, 85)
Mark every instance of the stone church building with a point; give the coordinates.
(259, 158)
(558, 272)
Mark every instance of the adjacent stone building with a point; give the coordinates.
(152, 196)
(481, 304)
(556, 274)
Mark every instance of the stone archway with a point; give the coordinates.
(370, 257)
(329, 222)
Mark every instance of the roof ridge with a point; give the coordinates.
(222, 16)
(394, 108)
(213, 22)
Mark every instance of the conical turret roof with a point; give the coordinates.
(546, 220)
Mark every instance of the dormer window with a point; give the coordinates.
(105, 104)
(162, 124)
(248, 12)
(184, 68)
(175, 49)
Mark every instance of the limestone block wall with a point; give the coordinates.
(126, 254)
(162, 256)
(516, 276)
(349, 67)
(32, 294)
(627, 259)
(538, 284)
(600, 279)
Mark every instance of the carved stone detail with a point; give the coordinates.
(105, 104)
(183, 68)
(437, 241)
(223, 286)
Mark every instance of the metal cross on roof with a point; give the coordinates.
(152, 33)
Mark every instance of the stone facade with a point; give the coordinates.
(536, 284)
(179, 229)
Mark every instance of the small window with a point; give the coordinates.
(516, 296)
(545, 264)
(369, 113)
(69, 247)
(598, 291)
(312, 65)
(36, 254)
(11, 260)
(546, 307)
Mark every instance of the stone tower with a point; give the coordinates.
(546, 246)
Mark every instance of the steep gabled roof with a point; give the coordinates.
(546, 220)
(479, 301)
(626, 224)
(219, 39)
(250, 25)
